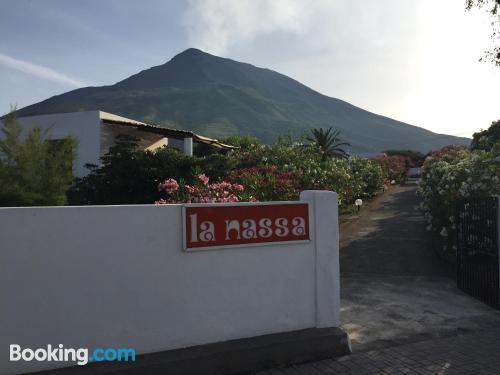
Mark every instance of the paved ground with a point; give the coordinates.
(469, 354)
(400, 305)
(393, 288)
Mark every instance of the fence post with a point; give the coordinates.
(325, 231)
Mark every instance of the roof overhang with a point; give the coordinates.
(109, 118)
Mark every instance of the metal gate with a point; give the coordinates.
(477, 249)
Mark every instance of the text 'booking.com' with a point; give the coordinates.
(81, 356)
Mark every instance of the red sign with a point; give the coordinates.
(228, 225)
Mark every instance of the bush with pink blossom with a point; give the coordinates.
(201, 191)
(267, 183)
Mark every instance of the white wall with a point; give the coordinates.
(85, 126)
(116, 276)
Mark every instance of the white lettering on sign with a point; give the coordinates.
(265, 230)
(205, 232)
(299, 226)
(229, 225)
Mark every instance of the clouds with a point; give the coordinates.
(324, 43)
(216, 25)
(39, 71)
(360, 51)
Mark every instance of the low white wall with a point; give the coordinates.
(116, 276)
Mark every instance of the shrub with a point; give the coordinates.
(448, 176)
(281, 171)
(370, 175)
(131, 176)
(416, 157)
(394, 167)
(268, 172)
(200, 192)
(217, 166)
(351, 178)
(243, 142)
(486, 139)
(267, 183)
(34, 170)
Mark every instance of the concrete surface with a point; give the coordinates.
(393, 288)
(400, 306)
(464, 354)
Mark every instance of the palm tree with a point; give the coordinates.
(328, 143)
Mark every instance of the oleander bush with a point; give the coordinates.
(283, 170)
(267, 173)
(267, 183)
(416, 157)
(449, 175)
(394, 166)
(201, 191)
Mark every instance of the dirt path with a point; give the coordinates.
(394, 290)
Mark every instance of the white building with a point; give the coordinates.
(96, 132)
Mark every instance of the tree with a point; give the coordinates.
(493, 7)
(328, 143)
(34, 170)
(486, 139)
(128, 175)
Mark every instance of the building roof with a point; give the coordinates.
(109, 118)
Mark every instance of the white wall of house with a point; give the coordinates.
(116, 276)
(84, 126)
(94, 137)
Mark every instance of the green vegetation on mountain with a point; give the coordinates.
(220, 97)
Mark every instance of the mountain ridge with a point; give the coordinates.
(217, 96)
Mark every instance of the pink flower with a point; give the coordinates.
(170, 186)
(167, 201)
(217, 192)
(238, 187)
(203, 178)
(192, 189)
(220, 186)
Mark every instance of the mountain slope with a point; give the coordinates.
(216, 97)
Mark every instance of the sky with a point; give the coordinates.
(412, 60)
